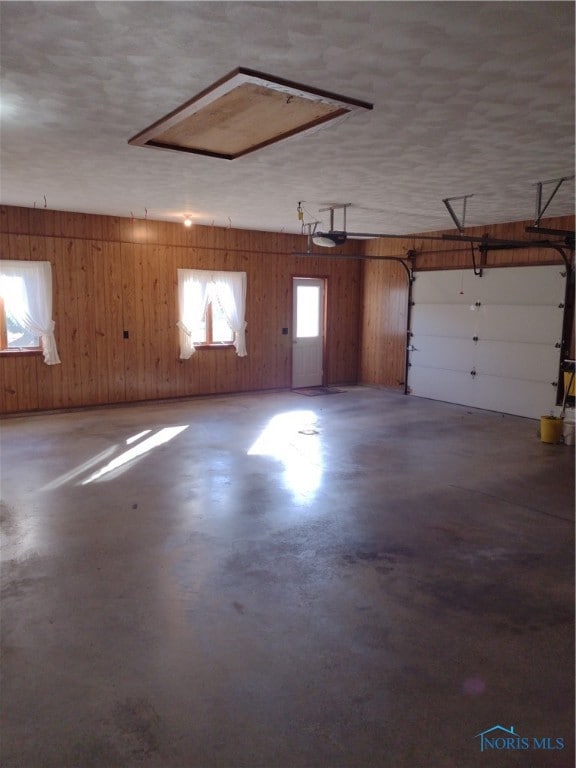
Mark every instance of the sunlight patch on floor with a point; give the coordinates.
(121, 462)
(293, 439)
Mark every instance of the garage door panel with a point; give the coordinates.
(450, 287)
(451, 321)
(433, 352)
(536, 324)
(516, 396)
(438, 384)
(532, 362)
(506, 286)
(521, 398)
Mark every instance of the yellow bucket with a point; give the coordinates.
(551, 429)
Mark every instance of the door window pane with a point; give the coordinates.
(307, 311)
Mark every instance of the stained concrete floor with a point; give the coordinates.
(272, 580)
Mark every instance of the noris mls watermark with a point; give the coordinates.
(501, 739)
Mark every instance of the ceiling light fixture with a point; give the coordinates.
(187, 221)
(245, 111)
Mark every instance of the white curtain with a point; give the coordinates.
(193, 296)
(196, 288)
(230, 289)
(27, 292)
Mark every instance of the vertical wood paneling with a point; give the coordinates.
(157, 282)
(147, 332)
(101, 341)
(100, 371)
(64, 275)
(19, 382)
(15, 220)
(131, 288)
(86, 348)
(19, 247)
(49, 223)
(164, 305)
(9, 384)
(383, 346)
(112, 319)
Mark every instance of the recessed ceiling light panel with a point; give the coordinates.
(243, 112)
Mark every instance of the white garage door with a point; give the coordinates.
(490, 342)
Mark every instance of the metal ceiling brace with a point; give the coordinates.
(460, 225)
(540, 210)
(311, 230)
(448, 203)
(332, 208)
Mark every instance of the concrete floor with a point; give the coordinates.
(273, 580)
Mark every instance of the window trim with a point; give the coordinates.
(214, 345)
(21, 352)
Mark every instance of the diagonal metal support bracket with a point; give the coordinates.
(448, 203)
(311, 227)
(332, 208)
(540, 207)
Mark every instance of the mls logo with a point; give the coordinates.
(500, 738)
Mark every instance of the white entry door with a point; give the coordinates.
(307, 332)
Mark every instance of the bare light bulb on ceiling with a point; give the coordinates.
(187, 221)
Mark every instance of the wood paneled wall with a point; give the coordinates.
(384, 323)
(114, 274)
(385, 288)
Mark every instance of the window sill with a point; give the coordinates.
(20, 352)
(213, 346)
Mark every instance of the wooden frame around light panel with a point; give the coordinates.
(245, 111)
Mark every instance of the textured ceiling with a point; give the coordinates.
(469, 98)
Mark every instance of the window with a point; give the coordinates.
(26, 308)
(211, 310)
